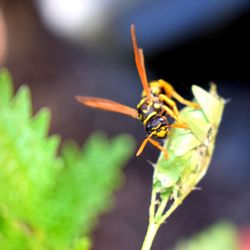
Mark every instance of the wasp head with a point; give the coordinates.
(159, 126)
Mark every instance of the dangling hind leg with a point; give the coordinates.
(161, 148)
(170, 91)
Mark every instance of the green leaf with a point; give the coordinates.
(51, 201)
(82, 244)
(21, 103)
(52, 144)
(40, 122)
(6, 90)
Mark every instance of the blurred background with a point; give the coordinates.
(64, 48)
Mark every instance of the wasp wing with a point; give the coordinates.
(139, 60)
(107, 105)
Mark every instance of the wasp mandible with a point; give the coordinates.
(156, 109)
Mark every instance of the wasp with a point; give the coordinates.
(157, 109)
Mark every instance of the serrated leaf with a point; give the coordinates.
(123, 146)
(21, 103)
(49, 201)
(40, 122)
(6, 90)
(82, 244)
(70, 151)
(52, 144)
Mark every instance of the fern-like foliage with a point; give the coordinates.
(49, 201)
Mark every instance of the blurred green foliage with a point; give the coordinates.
(222, 236)
(49, 201)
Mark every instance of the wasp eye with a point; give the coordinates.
(149, 127)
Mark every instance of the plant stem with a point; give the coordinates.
(152, 206)
(161, 209)
(150, 235)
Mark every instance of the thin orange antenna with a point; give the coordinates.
(141, 148)
(139, 61)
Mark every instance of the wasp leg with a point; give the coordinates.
(157, 145)
(171, 103)
(170, 112)
(179, 124)
(170, 91)
(175, 111)
(141, 148)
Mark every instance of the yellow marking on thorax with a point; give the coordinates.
(141, 103)
(149, 117)
(157, 106)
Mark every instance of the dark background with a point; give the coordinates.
(183, 44)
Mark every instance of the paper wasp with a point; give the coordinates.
(155, 109)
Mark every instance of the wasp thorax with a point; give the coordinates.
(158, 126)
(149, 108)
